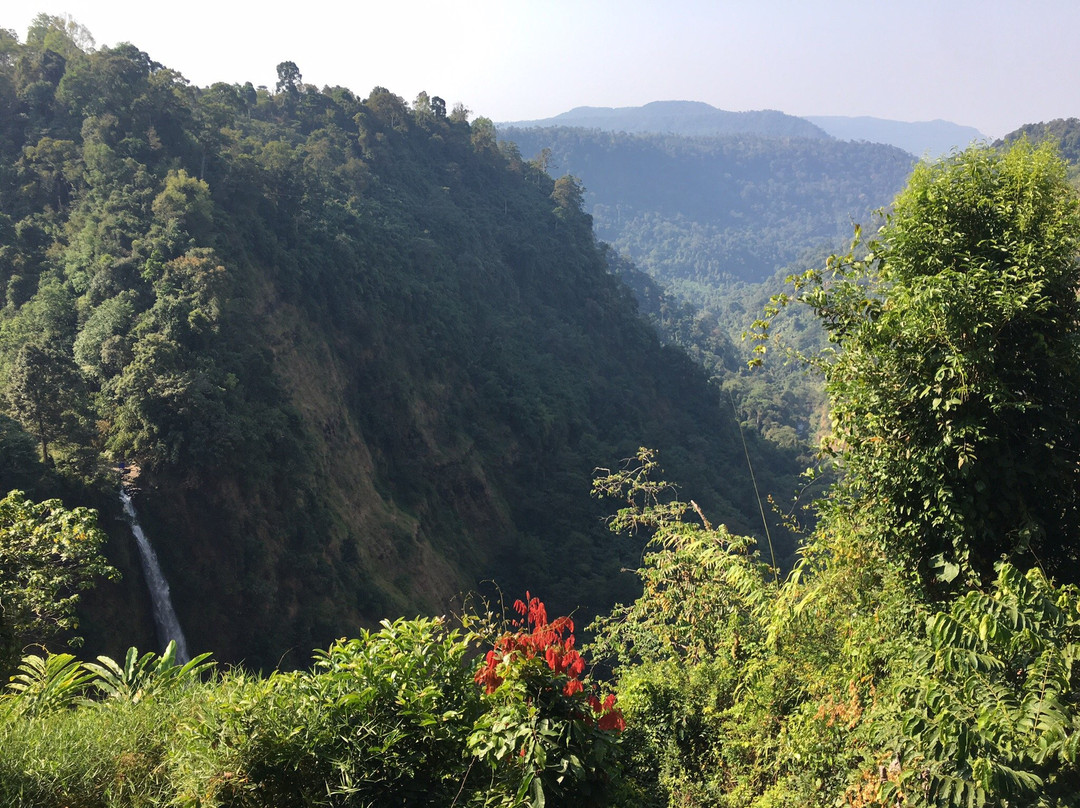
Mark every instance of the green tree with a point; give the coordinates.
(186, 200)
(387, 108)
(288, 78)
(568, 193)
(19, 463)
(48, 554)
(460, 113)
(103, 345)
(41, 391)
(53, 168)
(483, 134)
(991, 716)
(63, 35)
(422, 106)
(954, 374)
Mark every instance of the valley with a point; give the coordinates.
(655, 456)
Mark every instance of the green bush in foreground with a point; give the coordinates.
(382, 719)
(393, 717)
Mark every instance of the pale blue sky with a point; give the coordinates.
(990, 64)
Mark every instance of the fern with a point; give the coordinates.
(995, 718)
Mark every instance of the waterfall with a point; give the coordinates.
(168, 627)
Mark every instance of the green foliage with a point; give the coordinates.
(48, 555)
(993, 716)
(954, 378)
(186, 200)
(824, 689)
(393, 717)
(381, 720)
(89, 754)
(342, 339)
(44, 684)
(19, 456)
(42, 389)
(701, 584)
(722, 208)
(1062, 132)
(142, 677)
(740, 688)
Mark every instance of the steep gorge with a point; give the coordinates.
(365, 357)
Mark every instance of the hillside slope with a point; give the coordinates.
(921, 138)
(363, 357)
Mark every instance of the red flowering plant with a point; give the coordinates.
(547, 736)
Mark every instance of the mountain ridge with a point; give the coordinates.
(712, 209)
(681, 118)
(921, 138)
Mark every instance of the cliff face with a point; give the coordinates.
(364, 357)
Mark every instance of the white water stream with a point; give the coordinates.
(168, 627)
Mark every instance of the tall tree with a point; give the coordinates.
(41, 391)
(288, 77)
(955, 376)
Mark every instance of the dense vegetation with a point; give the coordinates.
(718, 222)
(923, 652)
(393, 717)
(782, 401)
(358, 356)
(1063, 132)
(717, 209)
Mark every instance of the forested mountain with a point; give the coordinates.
(920, 138)
(923, 651)
(355, 355)
(717, 209)
(679, 118)
(360, 355)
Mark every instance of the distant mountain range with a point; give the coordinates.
(921, 138)
(695, 118)
(681, 118)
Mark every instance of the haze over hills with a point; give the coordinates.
(721, 208)
(920, 138)
(679, 118)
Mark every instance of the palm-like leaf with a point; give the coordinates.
(48, 683)
(143, 676)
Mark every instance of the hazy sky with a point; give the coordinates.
(991, 64)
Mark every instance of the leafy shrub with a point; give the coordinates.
(742, 689)
(44, 684)
(48, 554)
(994, 716)
(544, 735)
(383, 720)
(143, 676)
